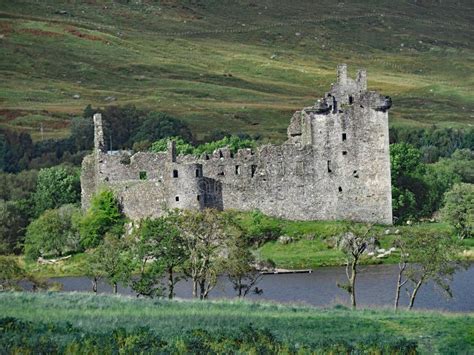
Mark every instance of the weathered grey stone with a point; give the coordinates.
(335, 165)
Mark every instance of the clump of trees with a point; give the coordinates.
(417, 188)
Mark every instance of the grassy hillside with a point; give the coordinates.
(240, 65)
(434, 332)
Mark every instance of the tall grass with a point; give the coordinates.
(306, 326)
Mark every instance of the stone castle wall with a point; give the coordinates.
(334, 166)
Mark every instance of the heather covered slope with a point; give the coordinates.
(242, 65)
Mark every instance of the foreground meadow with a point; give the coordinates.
(65, 322)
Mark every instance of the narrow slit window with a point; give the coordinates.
(175, 173)
(198, 172)
(351, 100)
(198, 197)
(142, 175)
(344, 137)
(329, 167)
(254, 169)
(177, 198)
(237, 170)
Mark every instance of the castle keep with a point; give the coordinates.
(335, 165)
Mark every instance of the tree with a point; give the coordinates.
(426, 256)
(14, 218)
(458, 209)
(204, 234)
(103, 216)
(240, 266)
(159, 249)
(158, 125)
(406, 186)
(10, 274)
(353, 243)
(54, 233)
(112, 261)
(56, 186)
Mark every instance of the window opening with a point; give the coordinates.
(344, 137)
(351, 100)
(221, 170)
(355, 174)
(344, 152)
(237, 170)
(254, 169)
(340, 189)
(177, 198)
(175, 173)
(198, 172)
(198, 197)
(329, 167)
(142, 175)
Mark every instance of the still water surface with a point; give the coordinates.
(375, 287)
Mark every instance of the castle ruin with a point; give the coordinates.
(335, 165)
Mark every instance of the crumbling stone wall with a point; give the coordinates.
(335, 165)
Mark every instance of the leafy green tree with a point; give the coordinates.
(240, 266)
(120, 124)
(56, 186)
(159, 125)
(408, 190)
(204, 234)
(425, 256)
(182, 147)
(103, 216)
(234, 143)
(458, 209)
(159, 249)
(14, 217)
(54, 233)
(111, 260)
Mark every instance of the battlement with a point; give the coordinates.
(334, 165)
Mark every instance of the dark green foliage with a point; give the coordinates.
(14, 217)
(82, 133)
(417, 188)
(158, 125)
(120, 123)
(19, 336)
(16, 150)
(56, 186)
(103, 216)
(434, 142)
(459, 209)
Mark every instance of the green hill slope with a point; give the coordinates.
(239, 65)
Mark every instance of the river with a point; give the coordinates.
(375, 288)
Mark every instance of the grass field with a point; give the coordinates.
(241, 65)
(434, 332)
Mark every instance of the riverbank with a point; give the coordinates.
(291, 325)
(304, 245)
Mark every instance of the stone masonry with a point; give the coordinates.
(335, 165)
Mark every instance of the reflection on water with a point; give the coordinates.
(375, 287)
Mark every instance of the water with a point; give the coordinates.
(375, 287)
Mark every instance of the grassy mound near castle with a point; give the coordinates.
(242, 65)
(57, 321)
